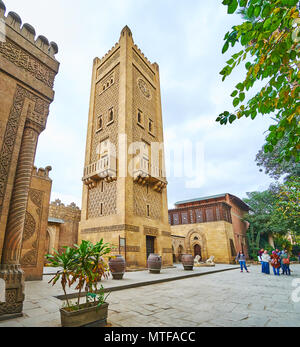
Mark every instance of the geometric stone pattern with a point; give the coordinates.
(141, 195)
(105, 100)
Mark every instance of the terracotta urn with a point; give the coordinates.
(117, 266)
(154, 263)
(187, 262)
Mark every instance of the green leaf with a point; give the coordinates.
(242, 97)
(240, 86)
(250, 11)
(234, 94)
(243, 3)
(232, 118)
(267, 23)
(236, 101)
(225, 47)
(266, 11)
(257, 11)
(232, 6)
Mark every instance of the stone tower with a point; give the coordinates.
(124, 193)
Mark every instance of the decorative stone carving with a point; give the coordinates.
(29, 227)
(12, 129)
(23, 60)
(144, 88)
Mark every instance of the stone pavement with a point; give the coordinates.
(227, 298)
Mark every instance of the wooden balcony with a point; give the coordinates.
(206, 213)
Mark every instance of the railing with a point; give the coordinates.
(105, 167)
(147, 173)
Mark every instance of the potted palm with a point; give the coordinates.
(83, 266)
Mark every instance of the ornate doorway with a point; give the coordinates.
(197, 250)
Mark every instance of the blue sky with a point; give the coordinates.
(185, 39)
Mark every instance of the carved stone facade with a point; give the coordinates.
(35, 227)
(63, 224)
(124, 194)
(27, 71)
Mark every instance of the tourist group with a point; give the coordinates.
(278, 260)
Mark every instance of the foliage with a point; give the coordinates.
(83, 266)
(253, 242)
(273, 212)
(282, 243)
(296, 249)
(269, 37)
(289, 201)
(272, 164)
(98, 298)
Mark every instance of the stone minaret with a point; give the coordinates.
(124, 193)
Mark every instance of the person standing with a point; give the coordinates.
(265, 258)
(241, 257)
(275, 262)
(285, 263)
(278, 252)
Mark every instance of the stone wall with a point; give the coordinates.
(213, 239)
(65, 230)
(36, 222)
(27, 71)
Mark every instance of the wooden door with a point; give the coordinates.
(197, 251)
(150, 245)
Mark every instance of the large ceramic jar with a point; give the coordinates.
(117, 266)
(154, 263)
(187, 261)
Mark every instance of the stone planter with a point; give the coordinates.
(117, 266)
(187, 262)
(92, 316)
(154, 263)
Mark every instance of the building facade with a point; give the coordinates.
(27, 71)
(63, 225)
(124, 193)
(209, 226)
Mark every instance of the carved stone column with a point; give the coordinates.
(10, 269)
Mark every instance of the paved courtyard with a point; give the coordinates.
(227, 298)
(223, 299)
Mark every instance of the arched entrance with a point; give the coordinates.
(174, 255)
(197, 250)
